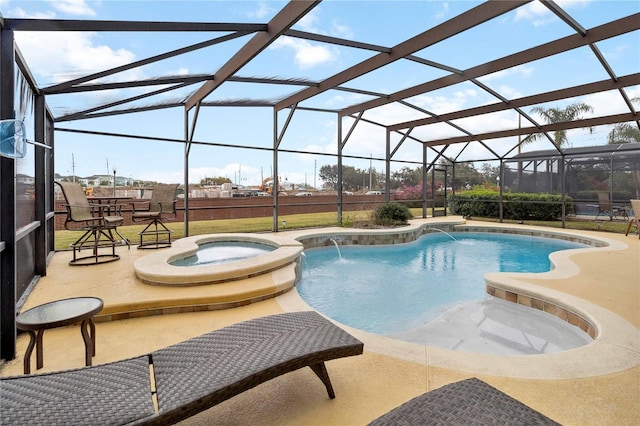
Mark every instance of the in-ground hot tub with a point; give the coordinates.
(223, 252)
(231, 257)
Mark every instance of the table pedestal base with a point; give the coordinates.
(88, 331)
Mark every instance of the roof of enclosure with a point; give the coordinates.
(424, 53)
(603, 153)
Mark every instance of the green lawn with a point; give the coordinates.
(259, 224)
(311, 220)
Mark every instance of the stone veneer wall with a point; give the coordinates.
(372, 238)
(545, 306)
(400, 237)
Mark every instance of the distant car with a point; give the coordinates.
(373, 193)
(262, 194)
(348, 193)
(303, 194)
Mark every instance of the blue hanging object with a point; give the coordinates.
(13, 141)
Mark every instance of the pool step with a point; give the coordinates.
(162, 300)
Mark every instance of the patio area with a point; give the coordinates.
(389, 373)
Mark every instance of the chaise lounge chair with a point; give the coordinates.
(606, 208)
(468, 402)
(183, 379)
(635, 219)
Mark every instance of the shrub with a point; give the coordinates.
(518, 206)
(391, 214)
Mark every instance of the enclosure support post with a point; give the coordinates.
(563, 177)
(188, 137)
(339, 182)
(7, 206)
(611, 187)
(41, 186)
(433, 190)
(453, 188)
(276, 180)
(424, 181)
(387, 160)
(500, 185)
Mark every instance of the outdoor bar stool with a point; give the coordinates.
(159, 208)
(97, 224)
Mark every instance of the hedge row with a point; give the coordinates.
(519, 206)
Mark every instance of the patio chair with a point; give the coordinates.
(635, 219)
(470, 401)
(606, 208)
(96, 221)
(159, 208)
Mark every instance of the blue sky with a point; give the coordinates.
(57, 57)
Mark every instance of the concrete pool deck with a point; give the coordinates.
(603, 282)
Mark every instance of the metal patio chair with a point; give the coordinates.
(97, 222)
(160, 207)
(606, 208)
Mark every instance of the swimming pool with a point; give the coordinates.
(390, 290)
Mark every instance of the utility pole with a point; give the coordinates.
(114, 181)
(315, 164)
(73, 168)
(370, 170)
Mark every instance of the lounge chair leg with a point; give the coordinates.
(321, 372)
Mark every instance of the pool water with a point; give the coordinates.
(223, 252)
(393, 289)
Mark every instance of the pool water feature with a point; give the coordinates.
(222, 252)
(399, 290)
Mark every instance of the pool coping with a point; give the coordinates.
(616, 342)
(156, 269)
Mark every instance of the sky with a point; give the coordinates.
(57, 57)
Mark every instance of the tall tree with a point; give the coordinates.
(352, 179)
(624, 133)
(556, 115)
(627, 133)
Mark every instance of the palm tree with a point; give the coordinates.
(624, 133)
(627, 133)
(555, 115)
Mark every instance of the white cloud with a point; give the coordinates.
(444, 11)
(539, 15)
(309, 22)
(340, 30)
(535, 12)
(18, 12)
(73, 7)
(609, 103)
(76, 54)
(262, 11)
(307, 55)
(519, 71)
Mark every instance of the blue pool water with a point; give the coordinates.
(223, 252)
(392, 289)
